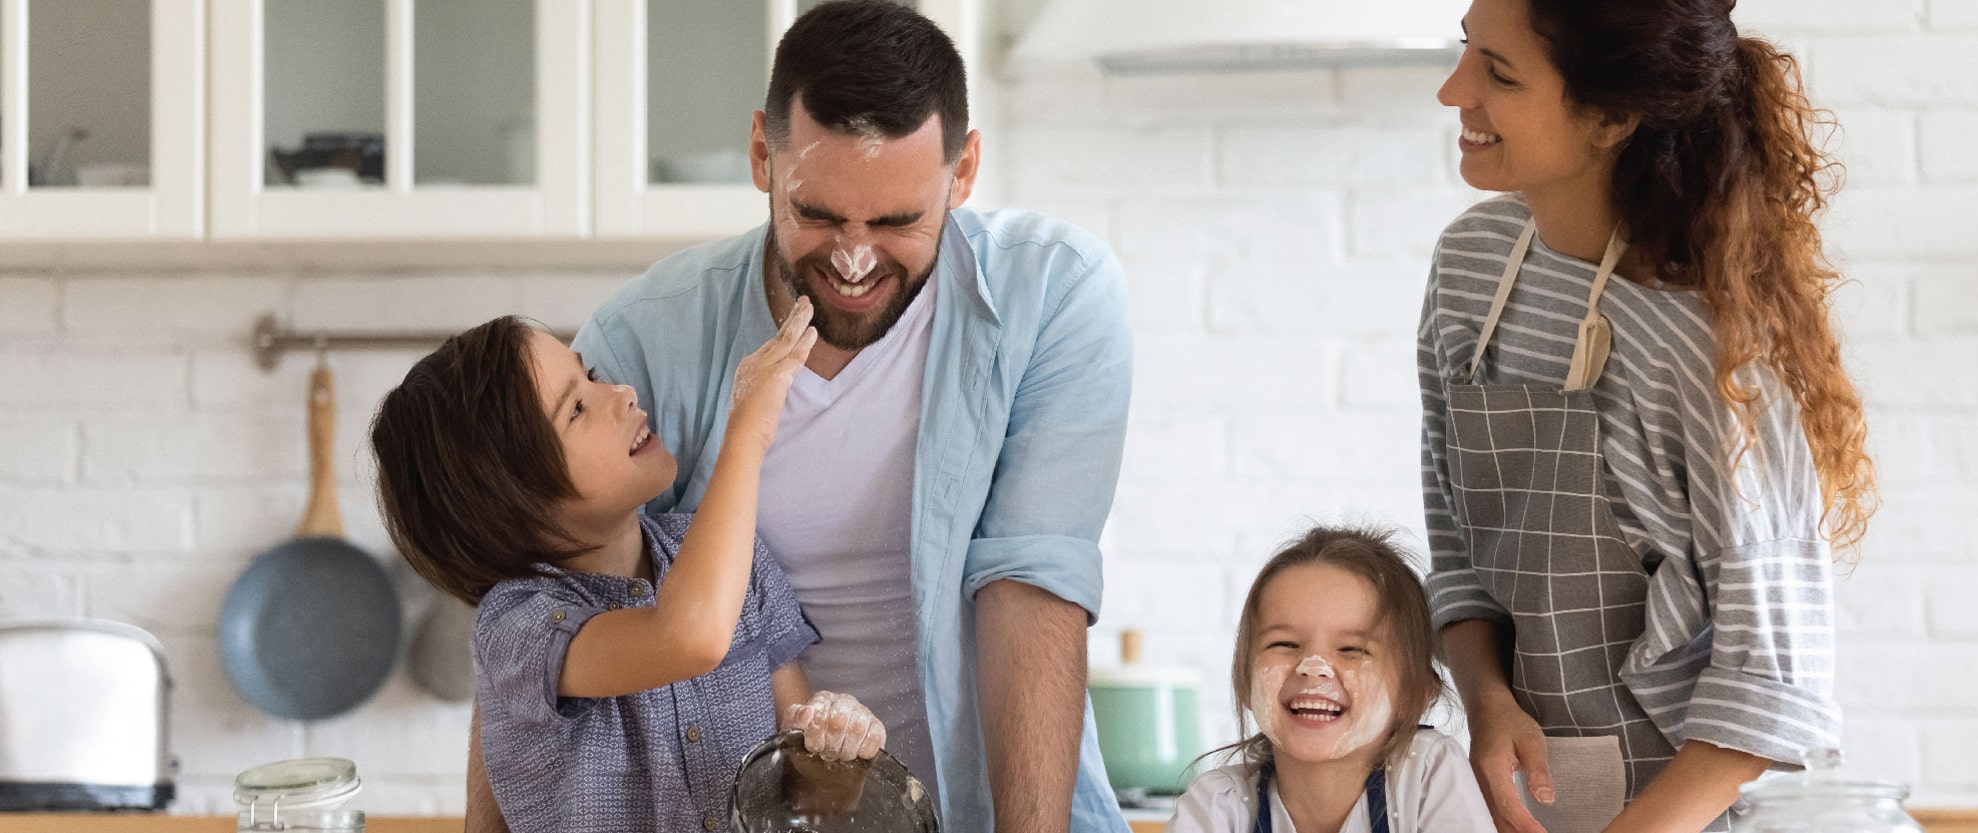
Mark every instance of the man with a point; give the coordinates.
(944, 467)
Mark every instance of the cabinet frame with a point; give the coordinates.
(172, 206)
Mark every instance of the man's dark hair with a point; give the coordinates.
(866, 65)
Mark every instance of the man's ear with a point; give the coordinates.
(966, 167)
(759, 152)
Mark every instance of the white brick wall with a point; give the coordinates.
(1275, 229)
(1276, 302)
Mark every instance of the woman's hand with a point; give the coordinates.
(837, 727)
(763, 379)
(1503, 740)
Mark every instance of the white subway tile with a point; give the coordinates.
(1057, 96)
(1947, 748)
(1295, 228)
(1344, 300)
(1873, 299)
(566, 302)
(1166, 295)
(1947, 302)
(1878, 147)
(1144, 592)
(402, 731)
(1345, 451)
(1880, 747)
(1915, 372)
(200, 448)
(1948, 592)
(1915, 450)
(412, 303)
(123, 521)
(27, 305)
(239, 520)
(1232, 372)
(1906, 677)
(216, 734)
(1844, 17)
(1920, 526)
(1399, 94)
(1403, 222)
(1289, 157)
(38, 589)
(1086, 160)
(37, 450)
(1903, 223)
(71, 381)
(1946, 139)
(1953, 15)
(1912, 71)
(160, 309)
(1169, 447)
(1880, 600)
(1135, 100)
(1381, 374)
(1093, 213)
(179, 596)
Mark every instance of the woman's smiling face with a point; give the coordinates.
(1520, 130)
(1322, 677)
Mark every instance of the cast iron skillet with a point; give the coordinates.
(311, 629)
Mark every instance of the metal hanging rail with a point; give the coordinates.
(271, 341)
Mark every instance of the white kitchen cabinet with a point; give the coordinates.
(481, 109)
(102, 119)
(676, 83)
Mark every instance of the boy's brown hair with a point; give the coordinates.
(1371, 555)
(469, 468)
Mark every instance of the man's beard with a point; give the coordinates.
(838, 329)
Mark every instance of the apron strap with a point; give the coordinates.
(1511, 265)
(1595, 337)
(1376, 800)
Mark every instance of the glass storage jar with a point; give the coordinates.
(1819, 800)
(305, 794)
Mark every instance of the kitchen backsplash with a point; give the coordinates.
(1275, 228)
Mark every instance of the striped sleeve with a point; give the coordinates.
(1454, 592)
(1768, 687)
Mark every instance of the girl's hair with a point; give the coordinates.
(1404, 624)
(469, 468)
(1719, 186)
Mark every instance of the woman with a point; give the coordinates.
(1640, 449)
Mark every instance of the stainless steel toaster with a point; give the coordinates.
(83, 717)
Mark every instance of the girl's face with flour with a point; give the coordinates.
(1323, 678)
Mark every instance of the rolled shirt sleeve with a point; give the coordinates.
(1054, 479)
(786, 632)
(521, 639)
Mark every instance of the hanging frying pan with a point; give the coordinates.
(311, 629)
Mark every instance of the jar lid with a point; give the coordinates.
(299, 784)
(1820, 779)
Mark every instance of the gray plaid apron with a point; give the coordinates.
(1526, 467)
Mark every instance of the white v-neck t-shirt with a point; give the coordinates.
(836, 499)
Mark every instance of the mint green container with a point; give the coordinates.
(1147, 722)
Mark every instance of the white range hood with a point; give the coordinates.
(1155, 36)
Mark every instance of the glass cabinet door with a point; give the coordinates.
(677, 84)
(100, 113)
(400, 118)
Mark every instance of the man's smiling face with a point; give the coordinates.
(856, 218)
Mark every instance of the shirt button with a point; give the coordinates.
(556, 617)
(693, 734)
(638, 588)
(708, 823)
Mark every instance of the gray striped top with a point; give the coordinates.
(1739, 647)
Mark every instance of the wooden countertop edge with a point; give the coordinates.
(1934, 821)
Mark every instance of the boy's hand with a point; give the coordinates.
(763, 379)
(837, 727)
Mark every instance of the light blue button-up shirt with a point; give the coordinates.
(1023, 415)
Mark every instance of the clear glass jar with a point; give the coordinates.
(305, 794)
(1819, 800)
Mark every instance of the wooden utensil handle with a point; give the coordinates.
(322, 517)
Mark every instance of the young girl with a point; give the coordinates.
(1334, 661)
(1638, 438)
(624, 664)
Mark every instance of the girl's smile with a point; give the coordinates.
(1322, 682)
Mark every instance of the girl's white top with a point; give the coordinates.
(1431, 790)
